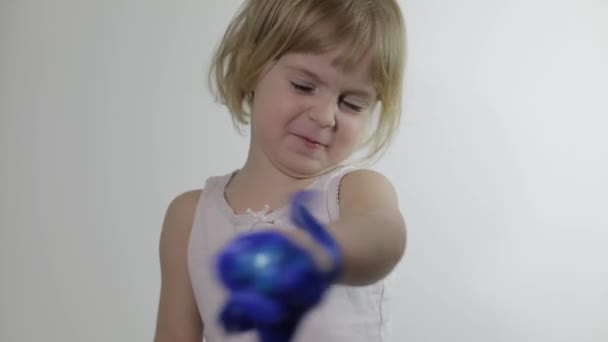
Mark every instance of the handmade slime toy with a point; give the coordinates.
(272, 282)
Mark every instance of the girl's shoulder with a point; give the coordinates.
(181, 210)
(367, 189)
(351, 177)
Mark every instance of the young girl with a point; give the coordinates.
(307, 76)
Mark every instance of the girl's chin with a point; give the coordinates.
(304, 167)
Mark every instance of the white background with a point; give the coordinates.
(500, 163)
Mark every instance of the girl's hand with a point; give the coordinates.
(274, 276)
(321, 257)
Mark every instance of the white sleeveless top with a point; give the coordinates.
(346, 314)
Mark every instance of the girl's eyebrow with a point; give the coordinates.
(364, 92)
(308, 73)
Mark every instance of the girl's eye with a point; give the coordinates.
(352, 106)
(302, 88)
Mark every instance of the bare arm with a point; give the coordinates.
(178, 317)
(371, 230)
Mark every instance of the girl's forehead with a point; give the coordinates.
(330, 63)
(342, 56)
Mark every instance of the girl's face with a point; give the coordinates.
(309, 114)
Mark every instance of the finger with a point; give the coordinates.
(304, 240)
(246, 309)
(301, 217)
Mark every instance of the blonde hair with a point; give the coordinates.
(264, 30)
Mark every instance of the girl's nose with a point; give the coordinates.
(324, 114)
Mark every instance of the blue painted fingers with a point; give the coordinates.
(272, 282)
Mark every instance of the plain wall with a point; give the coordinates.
(500, 164)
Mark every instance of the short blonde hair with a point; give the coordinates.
(264, 30)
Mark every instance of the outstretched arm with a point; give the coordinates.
(371, 231)
(275, 277)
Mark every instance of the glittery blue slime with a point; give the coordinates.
(272, 282)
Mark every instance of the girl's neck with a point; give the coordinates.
(258, 178)
(258, 184)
